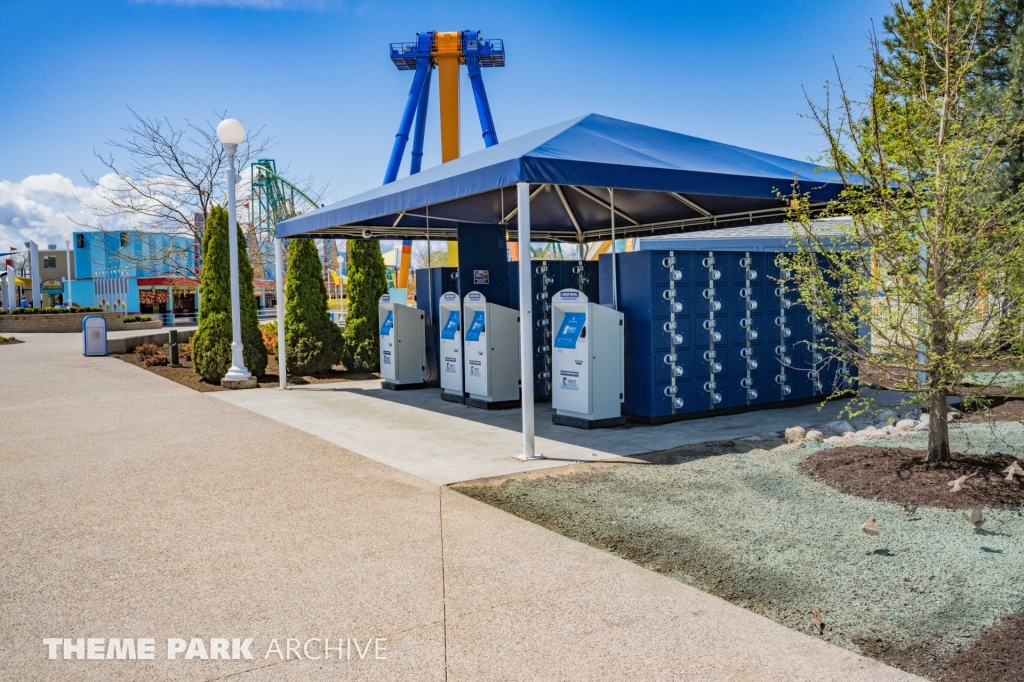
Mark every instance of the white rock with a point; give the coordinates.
(815, 435)
(880, 425)
(952, 416)
(835, 440)
(869, 432)
(924, 420)
(795, 434)
(905, 425)
(838, 428)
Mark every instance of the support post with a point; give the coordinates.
(419, 132)
(237, 372)
(282, 371)
(526, 323)
(483, 108)
(615, 276)
(33, 254)
(422, 67)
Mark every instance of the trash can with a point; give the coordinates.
(94, 335)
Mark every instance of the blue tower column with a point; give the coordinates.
(411, 104)
(483, 109)
(416, 159)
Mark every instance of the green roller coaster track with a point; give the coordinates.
(273, 198)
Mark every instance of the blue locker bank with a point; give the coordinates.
(713, 327)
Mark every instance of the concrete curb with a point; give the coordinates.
(130, 343)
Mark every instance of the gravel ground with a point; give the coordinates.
(745, 525)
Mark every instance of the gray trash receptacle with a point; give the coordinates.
(94, 335)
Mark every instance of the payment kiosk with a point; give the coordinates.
(402, 347)
(587, 362)
(490, 353)
(450, 308)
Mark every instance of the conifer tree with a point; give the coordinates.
(312, 340)
(211, 345)
(367, 282)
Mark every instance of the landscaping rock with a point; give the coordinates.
(754, 439)
(814, 435)
(952, 416)
(770, 435)
(887, 416)
(880, 425)
(835, 440)
(795, 434)
(838, 428)
(905, 425)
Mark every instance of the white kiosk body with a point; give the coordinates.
(450, 308)
(402, 344)
(587, 362)
(490, 353)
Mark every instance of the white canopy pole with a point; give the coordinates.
(526, 322)
(282, 371)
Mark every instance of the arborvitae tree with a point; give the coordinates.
(312, 340)
(211, 345)
(366, 284)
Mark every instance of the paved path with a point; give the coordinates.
(134, 507)
(442, 442)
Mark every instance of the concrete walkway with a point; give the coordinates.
(417, 432)
(134, 507)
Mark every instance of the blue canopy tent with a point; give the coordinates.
(588, 179)
(664, 182)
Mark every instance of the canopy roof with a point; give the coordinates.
(663, 182)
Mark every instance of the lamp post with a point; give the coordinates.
(231, 133)
(67, 243)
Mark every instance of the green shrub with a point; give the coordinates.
(312, 340)
(367, 282)
(137, 318)
(211, 345)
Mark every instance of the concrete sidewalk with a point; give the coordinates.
(219, 522)
(417, 432)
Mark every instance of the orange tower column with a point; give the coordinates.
(448, 55)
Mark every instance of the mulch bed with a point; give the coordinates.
(186, 376)
(997, 656)
(900, 475)
(1009, 411)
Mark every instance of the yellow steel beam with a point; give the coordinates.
(448, 56)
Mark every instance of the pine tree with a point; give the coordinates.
(312, 340)
(366, 284)
(211, 345)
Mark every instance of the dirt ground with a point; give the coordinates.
(186, 376)
(997, 656)
(740, 520)
(1011, 410)
(900, 475)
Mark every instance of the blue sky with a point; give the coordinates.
(316, 74)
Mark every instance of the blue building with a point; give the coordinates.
(134, 272)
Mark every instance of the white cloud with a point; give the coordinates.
(42, 208)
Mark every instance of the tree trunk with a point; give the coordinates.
(938, 427)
